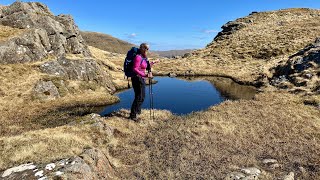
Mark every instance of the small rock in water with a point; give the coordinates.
(20, 168)
(39, 173)
(290, 176)
(172, 75)
(251, 171)
(50, 167)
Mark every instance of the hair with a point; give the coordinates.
(143, 45)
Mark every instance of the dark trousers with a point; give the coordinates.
(139, 87)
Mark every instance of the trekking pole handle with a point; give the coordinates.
(150, 75)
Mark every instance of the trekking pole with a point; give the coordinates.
(150, 94)
(152, 105)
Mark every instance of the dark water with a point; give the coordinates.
(180, 96)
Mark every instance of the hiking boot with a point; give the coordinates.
(134, 119)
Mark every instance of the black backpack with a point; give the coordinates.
(128, 62)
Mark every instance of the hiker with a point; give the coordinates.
(140, 65)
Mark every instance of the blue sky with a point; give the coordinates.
(164, 24)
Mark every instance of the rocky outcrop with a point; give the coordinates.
(302, 71)
(62, 70)
(229, 28)
(91, 164)
(45, 34)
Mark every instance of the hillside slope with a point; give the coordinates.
(106, 42)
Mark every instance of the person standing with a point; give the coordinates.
(140, 65)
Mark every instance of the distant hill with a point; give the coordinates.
(106, 42)
(173, 53)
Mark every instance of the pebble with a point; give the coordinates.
(302, 170)
(58, 173)
(251, 171)
(50, 167)
(290, 176)
(235, 175)
(274, 166)
(251, 177)
(309, 76)
(269, 161)
(39, 173)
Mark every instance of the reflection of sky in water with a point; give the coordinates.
(178, 96)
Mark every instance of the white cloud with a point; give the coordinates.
(132, 35)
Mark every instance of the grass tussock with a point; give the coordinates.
(7, 32)
(212, 143)
(17, 81)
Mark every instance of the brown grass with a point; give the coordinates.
(20, 112)
(212, 143)
(46, 145)
(28, 116)
(7, 32)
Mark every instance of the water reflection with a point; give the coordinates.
(184, 95)
(228, 88)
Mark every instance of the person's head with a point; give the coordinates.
(144, 48)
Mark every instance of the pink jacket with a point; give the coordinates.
(139, 67)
